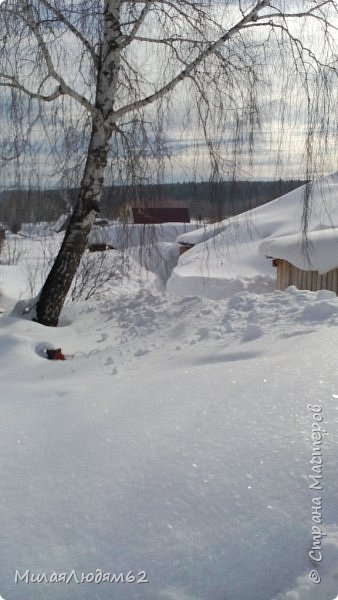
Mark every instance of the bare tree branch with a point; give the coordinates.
(8, 81)
(53, 73)
(211, 48)
(71, 27)
(138, 24)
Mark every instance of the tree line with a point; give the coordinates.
(206, 201)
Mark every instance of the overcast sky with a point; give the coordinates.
(278, 142)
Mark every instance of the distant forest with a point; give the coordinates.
(207, 201)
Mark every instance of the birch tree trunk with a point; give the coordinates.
(58, 282)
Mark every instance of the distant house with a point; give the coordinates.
(308, 262)
(169, 211)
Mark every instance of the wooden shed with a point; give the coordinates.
(288, 274)
(308, 262)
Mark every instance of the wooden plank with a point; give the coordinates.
(288, 274)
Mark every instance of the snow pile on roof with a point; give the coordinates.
(203, 234)
(231, 260)
(317, 251)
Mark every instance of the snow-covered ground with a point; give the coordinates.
(175, 440)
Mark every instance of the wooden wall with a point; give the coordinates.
(288, 274)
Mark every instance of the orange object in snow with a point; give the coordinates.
(55, 354)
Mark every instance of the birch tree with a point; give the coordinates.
(106, 63)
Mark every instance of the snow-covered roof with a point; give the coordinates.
(314, 251)
(231, 254)
(201, 235)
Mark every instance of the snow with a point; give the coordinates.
(13, 283)
(175, 439)
(124, 235)
(233, 257)
(36, 229)
(151, 246)
(317, 251)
